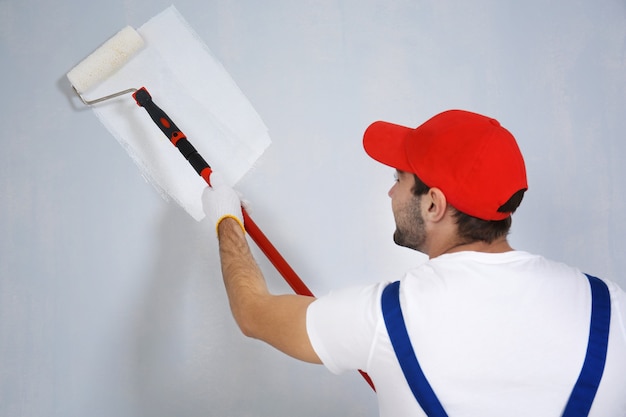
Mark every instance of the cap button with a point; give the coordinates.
(494, 122)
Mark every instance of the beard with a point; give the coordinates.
(410, 230)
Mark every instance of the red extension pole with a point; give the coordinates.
(179, 140)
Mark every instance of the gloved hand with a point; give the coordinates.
(221, 201)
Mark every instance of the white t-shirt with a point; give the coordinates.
(495, 334)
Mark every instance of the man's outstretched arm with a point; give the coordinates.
(279, 320)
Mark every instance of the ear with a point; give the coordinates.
(435, 204)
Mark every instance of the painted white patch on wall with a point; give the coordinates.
(202, 99)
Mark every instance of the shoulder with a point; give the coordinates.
(343, 325)
(349, 301)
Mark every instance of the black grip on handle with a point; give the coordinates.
(173, 133)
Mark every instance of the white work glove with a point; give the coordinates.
(221, 201)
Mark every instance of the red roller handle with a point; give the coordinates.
(281, 265)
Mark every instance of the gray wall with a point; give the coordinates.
(111, 302)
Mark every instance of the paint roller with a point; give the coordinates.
(104, 62)
(109, 58)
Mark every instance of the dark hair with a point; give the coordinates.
(472, 229)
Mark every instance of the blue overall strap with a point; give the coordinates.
(586, 386)
(584, 391)
(392, 313)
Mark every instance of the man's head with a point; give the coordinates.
(470, 158)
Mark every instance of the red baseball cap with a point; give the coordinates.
(471, 158)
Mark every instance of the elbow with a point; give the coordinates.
(247, 322)
(246, 328)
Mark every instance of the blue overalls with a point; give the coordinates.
(586, 386)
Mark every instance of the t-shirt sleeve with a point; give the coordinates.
(343, 325)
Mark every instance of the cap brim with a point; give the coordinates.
(386, 143)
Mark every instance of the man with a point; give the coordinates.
(480, 329)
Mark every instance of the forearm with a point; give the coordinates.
(277, 320)
(243, 279)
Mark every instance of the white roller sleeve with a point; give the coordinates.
(105, 60)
